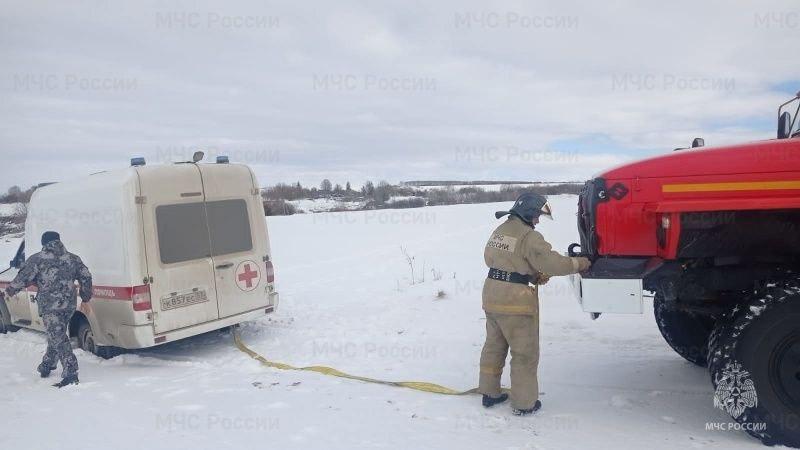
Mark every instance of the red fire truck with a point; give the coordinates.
(714, 234)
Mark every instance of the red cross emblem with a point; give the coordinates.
(247, 275)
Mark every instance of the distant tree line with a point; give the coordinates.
(15, 221)
(15, 194)
(507, 193)
(385, 195)
(472, 182)
(277, 198)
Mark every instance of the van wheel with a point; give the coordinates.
(87, 343)
(5, 319)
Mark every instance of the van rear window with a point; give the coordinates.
(229, 226)
(189, 231)
(182, 232)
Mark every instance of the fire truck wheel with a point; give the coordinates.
(685, 332)
(754, 362)
(87, 343)
(5, 320)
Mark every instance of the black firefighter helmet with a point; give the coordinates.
(528, 206)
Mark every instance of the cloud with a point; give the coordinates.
(395, 91)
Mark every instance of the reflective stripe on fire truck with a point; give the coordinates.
(737, 186)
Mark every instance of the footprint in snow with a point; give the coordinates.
(573, 325)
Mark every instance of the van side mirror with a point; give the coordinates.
(698, 142)
(197, 157)
(19, 257)
(784, 125)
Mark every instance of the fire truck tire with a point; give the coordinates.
(685, 332)
(754, 363)
(86, 342)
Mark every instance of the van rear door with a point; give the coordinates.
(177, 244)
(239, 243)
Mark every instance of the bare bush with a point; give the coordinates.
(278, 208)
(410, 261)
(414, 202)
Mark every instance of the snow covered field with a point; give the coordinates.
(315, 205)
(348, 302)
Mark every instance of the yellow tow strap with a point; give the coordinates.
(416, 385)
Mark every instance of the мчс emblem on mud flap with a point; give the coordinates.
(735, 390)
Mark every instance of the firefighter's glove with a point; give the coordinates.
(542, 279)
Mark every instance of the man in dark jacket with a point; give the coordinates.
(54, 271)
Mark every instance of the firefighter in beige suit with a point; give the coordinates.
(519, 260)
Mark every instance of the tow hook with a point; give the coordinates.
(579, 253)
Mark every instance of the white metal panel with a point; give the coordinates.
(603, 295)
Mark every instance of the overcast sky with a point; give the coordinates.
(374, 90)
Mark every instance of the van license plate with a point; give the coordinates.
(183, 300)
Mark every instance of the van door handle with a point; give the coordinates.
(225, 266)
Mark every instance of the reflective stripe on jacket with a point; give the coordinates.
(516, 247)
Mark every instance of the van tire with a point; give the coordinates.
(87, 343)
(5, 319)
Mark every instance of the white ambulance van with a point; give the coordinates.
(174, 250)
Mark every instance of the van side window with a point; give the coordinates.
(182, 232)
(229, 225)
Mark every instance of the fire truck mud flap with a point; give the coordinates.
(613, 285)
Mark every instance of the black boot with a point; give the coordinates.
(44, 371)
(488, 402)
(526, 412)
(69, 379)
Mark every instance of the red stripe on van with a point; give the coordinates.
(112, 292)
(119, 292)
(104, 292)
